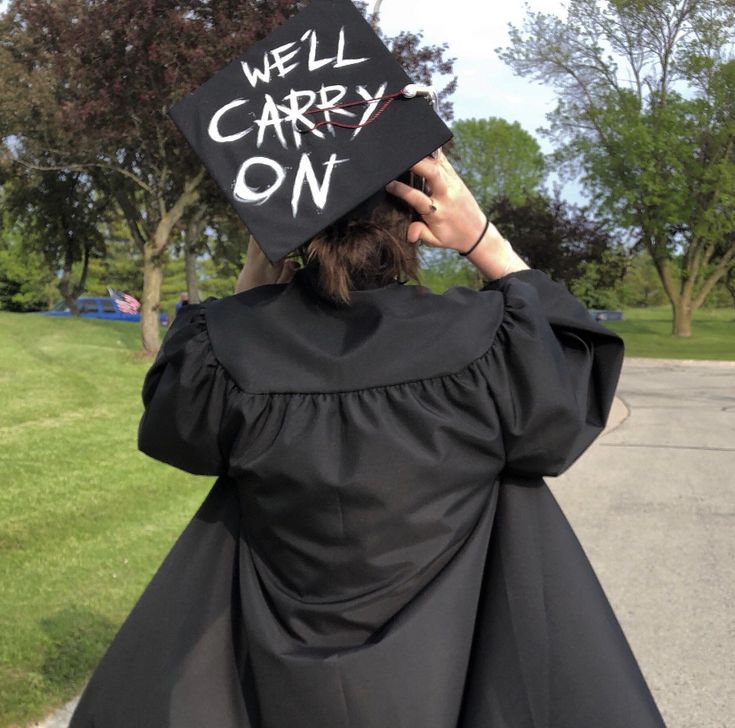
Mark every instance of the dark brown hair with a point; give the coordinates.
(363, 249)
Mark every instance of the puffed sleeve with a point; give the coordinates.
(185, 397)
(553, 374)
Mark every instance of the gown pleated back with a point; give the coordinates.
(379, 549)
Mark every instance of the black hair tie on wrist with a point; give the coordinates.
(479, 240)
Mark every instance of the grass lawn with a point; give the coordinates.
(647, 333)
(85, 518)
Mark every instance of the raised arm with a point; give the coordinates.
(553, 371)
(451, 218)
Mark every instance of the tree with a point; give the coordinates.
(641, 285)
(59, 215)
(101, 75)
(497, 159)
(119, 268)
(558, 238)
(375, 16)
(423, 63)
(442, 269)
(26, 284)
(598, 283)
(85, 86)
(192, 242)
(646, 106)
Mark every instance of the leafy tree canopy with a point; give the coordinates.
(646, 110)
(497, 158)
(558, 238)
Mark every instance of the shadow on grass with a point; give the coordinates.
(75, 641)
(650, 327)
(77, 638)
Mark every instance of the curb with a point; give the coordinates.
(619, 412)
(58, 719)
(640, 360)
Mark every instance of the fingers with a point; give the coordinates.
(431, 170)
(438, 174)
(450, 215)
(417, 231)
(420, 232)
(416, 198)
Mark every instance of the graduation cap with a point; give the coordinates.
(308, 124)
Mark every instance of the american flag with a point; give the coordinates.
(124, 302)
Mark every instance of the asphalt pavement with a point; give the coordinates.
(653, 504)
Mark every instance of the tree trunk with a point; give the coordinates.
(730, 283)
(681, 301)
(375, 18)
(81, 285)
(192, 240)
(67, 290)
(67, 293)
(683, 312)
(192, 280)
(154, 250)
(150, 308)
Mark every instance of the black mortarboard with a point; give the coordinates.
(262, 126)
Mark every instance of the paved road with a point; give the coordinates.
(653, 503)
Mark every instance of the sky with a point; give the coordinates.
(487, 87)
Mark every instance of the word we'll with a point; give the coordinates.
(278, 58)
(286, 119)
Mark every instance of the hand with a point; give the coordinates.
(259, 271)
(452, 218)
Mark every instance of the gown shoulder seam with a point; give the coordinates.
(373, 388)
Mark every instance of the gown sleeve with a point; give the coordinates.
(553, 374)
(185, 396)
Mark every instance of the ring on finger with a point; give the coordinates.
(432, 207)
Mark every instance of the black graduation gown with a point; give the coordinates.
(379, 549)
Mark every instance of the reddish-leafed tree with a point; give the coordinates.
(558, 238)
(86, 85)
(98, 77)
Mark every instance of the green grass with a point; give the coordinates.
(647, 333)
(85, 519)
